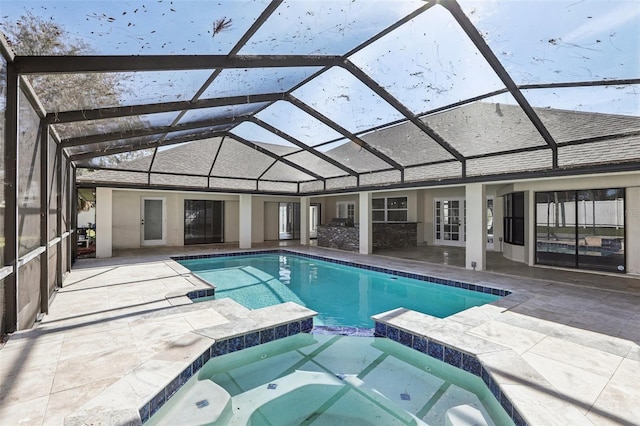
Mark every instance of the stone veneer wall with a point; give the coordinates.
(385, 235)
(395, 235)
(339, 237)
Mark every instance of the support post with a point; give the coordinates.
(476, 220)
(44, 216)
(305, 205)
(366, 227)
(245, 221)
(59, 272)
(11, 199)
(104, 222)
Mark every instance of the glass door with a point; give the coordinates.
(203, 221)
(289, 221)
(490, 231)
(449, 222)
(153, 223)
(314, 220)
(581, 229)
(600, 226)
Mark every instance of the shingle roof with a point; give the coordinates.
(475, 129)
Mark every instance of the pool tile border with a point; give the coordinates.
(435, 280)
(453, 357)
(218, 348)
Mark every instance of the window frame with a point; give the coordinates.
(349, 208)
(386, 209)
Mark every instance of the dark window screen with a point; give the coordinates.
(203, 221)
(514, 218)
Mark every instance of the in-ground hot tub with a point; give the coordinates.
(330, 380)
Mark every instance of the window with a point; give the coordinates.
(346, 210)
(393, 209)
(514, 218)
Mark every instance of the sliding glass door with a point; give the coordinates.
(581, 229)
(203, 221)
(289, 221)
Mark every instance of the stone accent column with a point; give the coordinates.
(476, 220)
(104, 222)
(245, 221)
(366, 227)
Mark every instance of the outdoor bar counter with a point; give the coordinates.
(385, 235)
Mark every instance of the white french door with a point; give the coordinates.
(449, 225)
(153, 222)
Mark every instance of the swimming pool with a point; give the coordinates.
(342, 295)
(331, 380)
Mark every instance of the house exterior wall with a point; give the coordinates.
(632, 224)
(126, 212)
(232, 221)
(324, 215)
(271, 221)
(127, 216)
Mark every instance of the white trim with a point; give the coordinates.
(491, 245)
(461, 226)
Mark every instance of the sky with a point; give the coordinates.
(427, 64)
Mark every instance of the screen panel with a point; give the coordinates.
(29, 172)
(560, 41)
(413, 64)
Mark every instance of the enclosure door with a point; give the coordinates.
(154, 222)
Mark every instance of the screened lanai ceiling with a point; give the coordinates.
(311, 97)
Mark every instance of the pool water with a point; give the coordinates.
(342, 295)
(331, 380)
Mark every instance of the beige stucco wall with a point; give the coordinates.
(632, 224)
(231, 221)
(257, 223)
(324, 216)
(127, 214)
(271, 221)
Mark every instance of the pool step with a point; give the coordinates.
(204, 403)
(464, 415)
